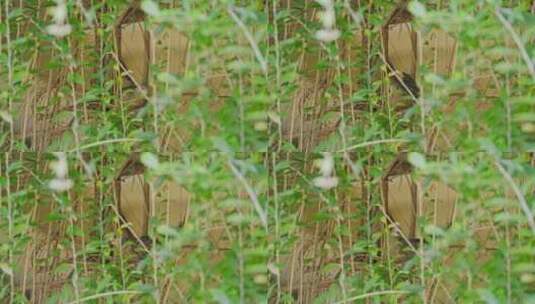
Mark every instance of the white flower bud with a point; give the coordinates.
(325, 182)
(59, 12)
(327, 35)
(59, 30)
(326, 164)
(328, 18)
(60, 167)
(327, 4)
(60, 185)
(273, 269)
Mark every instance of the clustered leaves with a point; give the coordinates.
(281, 128)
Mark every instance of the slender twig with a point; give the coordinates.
(103, 142)
(249, 37)
(357, 18)
(400, 80)
(105, 294)
(250, 192)
(518, 42)
(521, 199)
(373, 142)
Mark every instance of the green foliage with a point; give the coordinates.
(228, 112)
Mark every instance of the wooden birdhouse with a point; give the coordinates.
(137, 201)
(406, 199)
(140, 46)
(145, 49)
(405, 49)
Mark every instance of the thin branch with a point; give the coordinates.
(104, 142)
(373, 142)
(251, 193)
(518, 42)
(521, 199)
(256, 50)
(105, 294)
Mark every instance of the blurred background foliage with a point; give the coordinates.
(223, 109)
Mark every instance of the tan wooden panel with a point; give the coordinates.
(402, 48)
(134, 46)
(133, 203)
(439, 52)
(438, 204)
(172, 204)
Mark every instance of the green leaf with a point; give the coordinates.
(330, 268)
(150, 7)
(149, 160)
(274, 117)
(417, 9)
(166, 230)
(6, 117)
(6, 269)
(219, 296)
(417, 160)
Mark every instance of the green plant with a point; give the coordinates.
(257, 145)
